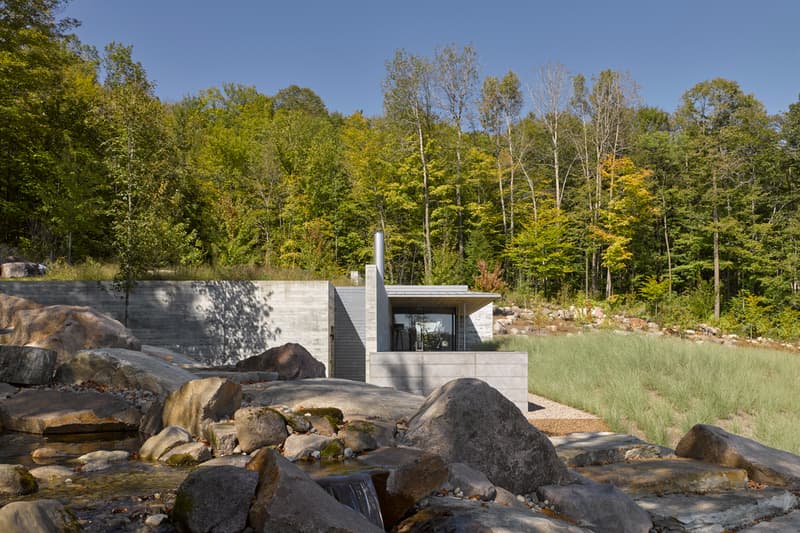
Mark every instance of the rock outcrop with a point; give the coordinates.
(763, 464)
(26, 365)
(65, 329)
(468, 421)
(201, 401)
(290, 361)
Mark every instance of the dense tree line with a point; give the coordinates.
(564, 187)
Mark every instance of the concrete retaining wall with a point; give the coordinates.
(215, 322)
(422, 372)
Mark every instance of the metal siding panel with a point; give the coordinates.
(349, 331)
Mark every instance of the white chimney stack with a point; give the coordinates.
(379, 252)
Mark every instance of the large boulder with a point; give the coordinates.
(257, 427)
(22, 269)
(15, 480)
(214, 499)
(763, 464)
(165, 440)
(201, 401)
(468, 421)
(290, 361)
(122, 369)
(298, 447)
(412, 475)
(26, 365)
(58, 412)
(42, 516)
(66, 329)
(288, 500)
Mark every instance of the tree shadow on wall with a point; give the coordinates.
(236, 318)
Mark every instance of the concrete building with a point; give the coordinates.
(413, 338)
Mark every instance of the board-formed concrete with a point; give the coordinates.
(215, 322)
(422, 372)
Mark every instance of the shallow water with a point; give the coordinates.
(16, 448)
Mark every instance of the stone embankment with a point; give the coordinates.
(550, 320)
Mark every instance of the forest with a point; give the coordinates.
(566, 188)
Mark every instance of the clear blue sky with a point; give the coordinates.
(339, 48)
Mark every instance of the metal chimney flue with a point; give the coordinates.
(379, 252)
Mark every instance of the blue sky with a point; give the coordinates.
(339, 48)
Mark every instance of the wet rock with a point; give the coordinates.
(151, 422)
(288, 500)
(354, 398)
(299, 446)
(763, 464)
(716, 512)
(452, 514)
(201, 401)
(42, 516)
(468, 421)
(238, 460)
(15, 480)
(122, 369)
(50, 472)
(257, 427)
(188, 454)
(214, 499)
(47, 455)
(780, 524)
(322, 425)
(469, 482)
(7, 391)
(412, 475)
(101, 459)
(51, 412)
(26, 365)
(358, 437)
(222, 437)
(666, 476)
(290, 361)
(601, 508)
(508, 499)
(64, 329)
(167, 438)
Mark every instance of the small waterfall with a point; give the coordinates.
(357, 492)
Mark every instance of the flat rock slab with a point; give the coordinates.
(779, 524)
(237, 377)
(124, 369)
(451, 514)
(666, 476)
(601, 448)
(354, 398)
(717, 512)
(58, 412)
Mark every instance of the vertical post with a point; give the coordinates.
(379, 252)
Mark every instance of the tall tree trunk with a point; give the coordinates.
(427, 257)
(715, 215)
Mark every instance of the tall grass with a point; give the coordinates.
(661, 387)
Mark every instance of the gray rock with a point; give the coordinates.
(354, 398)
(452, 514)
(600, 448)
(780, 524)
(6, 390)
(49, 472)
(167, 438)
(468, 421)
(508, 499)
(222, 437)
(288, 500)
(15, 480)
(469, 481)
(763, 464)
(236, 377)
(201, 401)
(188, 454)
(51, 412)
(238, 460)
(716, 512)
(172, 357)
(358, 437)
(214, 499)
(301, 446)
(122, 369)
(257, 427)
(41, 516)
(21, 269)
(26, 365)
(101, 459)
(290, 361)
(413, 474)
(600, 507)
(295, 421)
(151, 422)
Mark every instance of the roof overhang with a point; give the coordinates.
(456, 296)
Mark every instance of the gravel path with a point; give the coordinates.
(556, 418)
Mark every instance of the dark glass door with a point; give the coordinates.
(423, 329)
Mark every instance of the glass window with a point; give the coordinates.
(423, 329)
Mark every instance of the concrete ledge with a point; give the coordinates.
(422, 372)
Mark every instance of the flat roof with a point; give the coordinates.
(439, 296)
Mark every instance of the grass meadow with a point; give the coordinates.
(658, 388)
